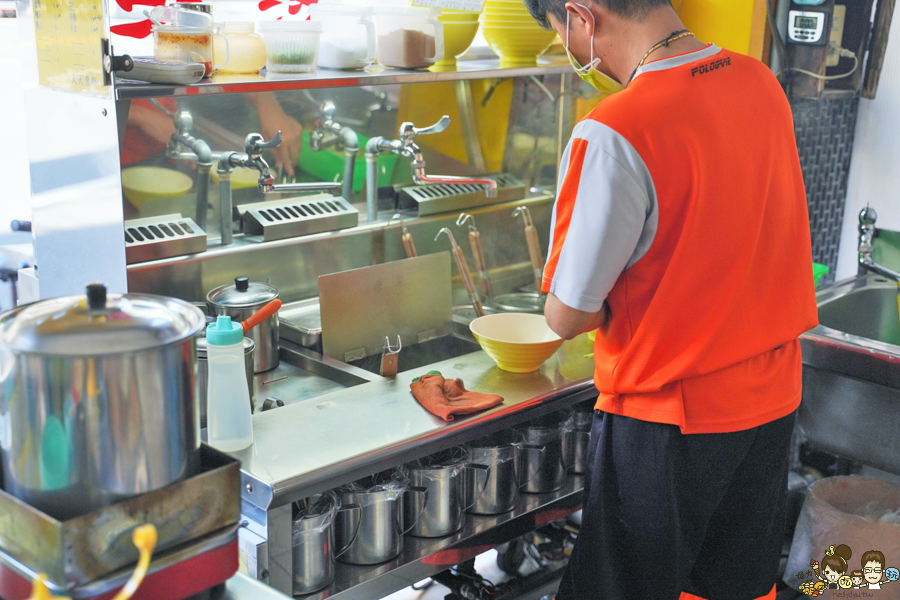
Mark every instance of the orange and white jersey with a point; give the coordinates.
(681, 206)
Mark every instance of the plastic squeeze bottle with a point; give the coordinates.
(229, 423)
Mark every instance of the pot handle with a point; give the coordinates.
(424, 492)
(486, 469)
(577, 435)
(356, 531)
(541, 450)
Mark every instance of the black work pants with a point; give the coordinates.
(666, 513)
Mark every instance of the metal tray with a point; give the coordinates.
(78, 551)
(301, 323)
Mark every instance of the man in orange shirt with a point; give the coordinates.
(680, 232)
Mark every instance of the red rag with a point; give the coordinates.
(446, 398)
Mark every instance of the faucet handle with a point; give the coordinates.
(868, 216)
(255, 143)
(438, 127)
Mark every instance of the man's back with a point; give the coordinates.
(719, 285)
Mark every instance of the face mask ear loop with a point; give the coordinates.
(594, 61)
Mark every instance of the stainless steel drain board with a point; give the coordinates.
(153, 238)
(280, 219)
(437, 198)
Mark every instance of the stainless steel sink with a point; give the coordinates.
(851, 372)
(423, 354)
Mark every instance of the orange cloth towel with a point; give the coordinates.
(447, 397)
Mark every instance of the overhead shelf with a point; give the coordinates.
(327, 78)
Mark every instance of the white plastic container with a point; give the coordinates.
(247, 49)
(228, 419)
(409, 37)
(291, 46)
(348, 35)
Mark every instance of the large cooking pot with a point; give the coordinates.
(97, 399)
(240, 301)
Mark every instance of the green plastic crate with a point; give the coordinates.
(819, 271)
(328, 164)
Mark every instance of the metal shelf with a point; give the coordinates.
(424, 557)
(327, 78)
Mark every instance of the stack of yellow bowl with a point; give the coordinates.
(460, 27)
(513, 34)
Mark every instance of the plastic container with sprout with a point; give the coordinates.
(291, 46)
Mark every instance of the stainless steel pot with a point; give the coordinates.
(97, 399)
(240, 301)
(497, 490)
(549, 466)
(379, 535)
(203, 373)
(576, 439)
(312, 541)
(442, 510)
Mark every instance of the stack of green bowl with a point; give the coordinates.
(513, 34)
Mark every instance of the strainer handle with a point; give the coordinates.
(424, 492)
(487, 477)
(356, 507)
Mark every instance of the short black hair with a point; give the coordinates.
(540, 9)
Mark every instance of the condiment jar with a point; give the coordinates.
(409, 37)
(247, 49)
(348, 35)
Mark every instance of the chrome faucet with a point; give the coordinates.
(406, 146)
(184, 146)
(252, 158)
(867, 218)
(328, 132)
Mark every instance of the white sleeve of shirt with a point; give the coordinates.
(614, 218)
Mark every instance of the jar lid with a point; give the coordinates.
(238, 27)
(275, 26)
(242, 294)
(99, 324)
(408, 11)
(340, 10)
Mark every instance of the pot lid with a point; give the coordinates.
(99, 324)
(242, 293)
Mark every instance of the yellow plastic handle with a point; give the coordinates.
(144, 539)
(39, 590)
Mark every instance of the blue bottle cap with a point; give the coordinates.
(224, 332)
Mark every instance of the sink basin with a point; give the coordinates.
(422, 354)
(851, 372)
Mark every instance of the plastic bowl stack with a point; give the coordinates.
(460, 27)
(513, 34)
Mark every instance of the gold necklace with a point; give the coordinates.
(674, 36)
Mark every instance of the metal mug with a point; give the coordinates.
(379, 520)
(240, 301)
(313, 541)
(576, 439)
(548, 468)
(442, 510)
(203, 373)
(503, 453)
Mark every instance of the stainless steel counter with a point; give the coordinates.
(317, 444)
(320, 443)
